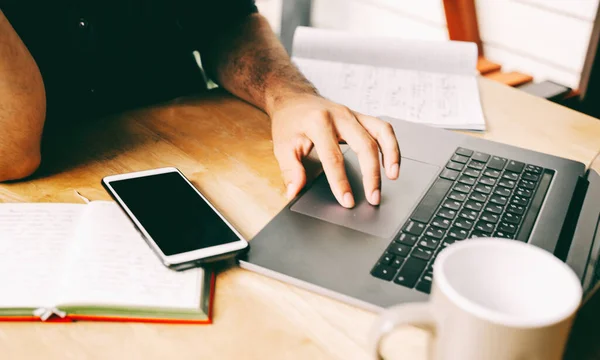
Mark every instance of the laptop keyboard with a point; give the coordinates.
(475, 195)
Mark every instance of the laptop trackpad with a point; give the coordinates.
(398, 198)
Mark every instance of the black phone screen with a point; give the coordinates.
(172, 213)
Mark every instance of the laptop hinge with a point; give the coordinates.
(570, 224)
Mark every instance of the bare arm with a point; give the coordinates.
(22, 106)
(250, 62)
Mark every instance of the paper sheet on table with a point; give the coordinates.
(428, 82)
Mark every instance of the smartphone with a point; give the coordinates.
(182, 227)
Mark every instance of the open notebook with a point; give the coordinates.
(428, 82)
(88, 262)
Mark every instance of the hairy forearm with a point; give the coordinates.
(22, 106)
(250, 62)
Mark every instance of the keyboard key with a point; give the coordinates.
(457, 233)
(430, 268)
(510, 176)
(485, 227)
(515, 166)
(429, 243)
(527, 184)
(455, 195)
(464, 152)
(468, 214)
(476, 165)
(507, 183)
(384, 272)
(435, 232)
(431, 200)
(462, 188)
(490, 217)
(512, 218)
(491, 173)
(485, 189)
(424, 286)
(524, 192)
(505, 235)
(463, 224)
(398, 261)
(427, 277)
(449, 174)
(530, 176)
(499, 200)
(493, 208)
(399, 249)
(421, 253)
(386, 259)
(507, 228)
(497, 163)
(447, 214)
(487, 181)
(451, 204)
(534, 169)
(406, 239)
(455, 166)
(477, 196)
(519, 200)
(479, 233)
(502, 191)
(467, 180)
(445, 243)
(515, 209)
(440, 222)
(480, 157)
(474, 205)
(460, 158)
(535, 206)
(414, 228)
(472, 172)
(410, 272)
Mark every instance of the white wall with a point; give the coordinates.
(545, 38)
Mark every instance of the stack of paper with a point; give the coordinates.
(428, 82)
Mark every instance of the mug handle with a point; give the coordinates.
(407, 314)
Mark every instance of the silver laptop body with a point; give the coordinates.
(317, 244)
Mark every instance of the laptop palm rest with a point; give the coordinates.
(398, 198)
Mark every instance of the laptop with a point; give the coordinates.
(452, 187)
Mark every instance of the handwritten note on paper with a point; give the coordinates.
(114, 266)
(426, 82)
(34, 242)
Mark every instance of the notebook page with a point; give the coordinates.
(427, 82)
(34, 242)
(442, 100)
(112, 265)
(448, 57)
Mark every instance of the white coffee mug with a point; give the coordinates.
(493, 299)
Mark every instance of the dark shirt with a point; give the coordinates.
(100, 56)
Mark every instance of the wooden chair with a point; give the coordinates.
(461, 19)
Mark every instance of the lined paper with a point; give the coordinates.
(431, 83)
(34, 243)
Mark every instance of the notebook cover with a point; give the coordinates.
(70, 318)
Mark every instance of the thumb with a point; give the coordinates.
(292, 171)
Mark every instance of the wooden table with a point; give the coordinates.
(223, 145)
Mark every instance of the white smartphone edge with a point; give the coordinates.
(190, 257)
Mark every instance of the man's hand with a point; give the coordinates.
(308, 120)
(251, 63)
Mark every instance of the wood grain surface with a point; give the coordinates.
(224, 146)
